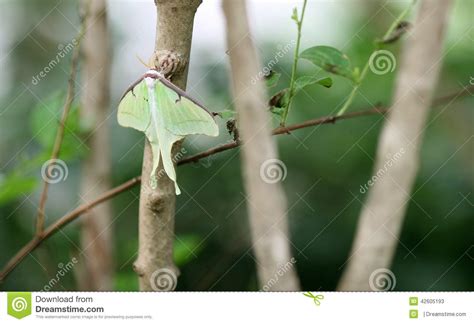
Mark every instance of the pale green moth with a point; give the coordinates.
(166, 114)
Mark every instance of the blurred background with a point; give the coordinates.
(326, 165)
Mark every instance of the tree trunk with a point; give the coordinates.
(397, 160)
(154, 265)
(266, 201)
(96, 272)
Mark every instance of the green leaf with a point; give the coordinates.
(272, 79)
(226, 114)
(305, 81)
(331, 60)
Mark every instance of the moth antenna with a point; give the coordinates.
(143, 62)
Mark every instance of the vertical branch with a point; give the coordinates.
(382, 215)
(299, 26)
(157, 206)
(96, 235)
(266, 201)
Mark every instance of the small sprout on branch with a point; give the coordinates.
(294, 16)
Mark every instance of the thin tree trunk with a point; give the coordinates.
(397, 160)
(96, 272)
(266, 201)
(154, 264)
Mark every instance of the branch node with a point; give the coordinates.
(138, 269)
(168, 62)
(157, 202)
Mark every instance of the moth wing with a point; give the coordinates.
(182, 115)
(167, 139)
(133, 109)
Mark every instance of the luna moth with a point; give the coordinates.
(166, 114)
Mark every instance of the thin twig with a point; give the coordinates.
(59, 134)
(66, 219)
(390, 30)
(453, 96)
(320, 121)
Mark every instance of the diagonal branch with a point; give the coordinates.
(324, 120)
(60, 223)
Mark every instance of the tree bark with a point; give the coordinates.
(383, 213)
(266, 201)
(174, 30)
(96, 272)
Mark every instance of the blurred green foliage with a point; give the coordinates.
(44, 123)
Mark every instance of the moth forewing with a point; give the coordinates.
(133, 110)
